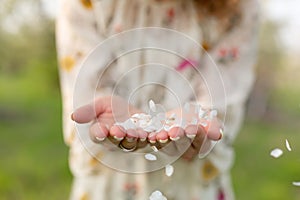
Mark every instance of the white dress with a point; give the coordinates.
(82, 24)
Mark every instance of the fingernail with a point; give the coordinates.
(174, 139)
(72, 116)
(100, 139)
(152, 141)
(130, 139)
(143, 139)
(221, 133)
(152, 137)
(191, 136)
(118, 139)
(163, 141)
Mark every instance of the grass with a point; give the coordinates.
(257, 175)
(34, 157)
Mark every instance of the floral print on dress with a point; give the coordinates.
(87, 4)
(209, 171)
(170, 16)
(130, 190)
(67, 63)
(206, 46)
(221, 195)
(186, 63)
(228, 54)
(84, 196)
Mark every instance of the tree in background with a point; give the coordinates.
(27, 50)
(270, 55)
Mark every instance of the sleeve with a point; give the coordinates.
(76, 35)
(234, 57)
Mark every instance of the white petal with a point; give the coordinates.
(197, 108)
(203, 123)
(161, 116)
(276, 153)
(186, 107)
(169, 170)
(194, 121)
(173, 115)
(201, 113)
(167, 128)
(128, 124)
(296, 183)
(149, 128)
(157, 195)
(150, 157)
(152, 106)
(154, 148)
(213, 114)
(288, 146)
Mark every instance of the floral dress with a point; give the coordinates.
(83, 24)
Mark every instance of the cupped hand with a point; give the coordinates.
(191, 140)
(104, 112)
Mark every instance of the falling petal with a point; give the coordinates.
(169, 170)
(276, 153)
(150, 157)
(296, 183)
(288, 146)
(157, 195)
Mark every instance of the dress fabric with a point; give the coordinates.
(83, 24)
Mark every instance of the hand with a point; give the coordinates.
(198, 136)
(104, 112)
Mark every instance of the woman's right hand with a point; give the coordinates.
(104, 112)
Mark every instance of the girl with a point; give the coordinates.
(226, 29)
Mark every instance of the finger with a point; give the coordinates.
(199, 139)
(142, 135)
(84, 114)
(117, 132)
(152, 137)
(189, 154)
(98, 132)
(182, 144)
(191, 131)
(132, 134)
(176, 133)
(141, 144)
(214, 130)
(88, 112)
(130, 142)
(162, 136)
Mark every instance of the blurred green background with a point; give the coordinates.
(33, 162)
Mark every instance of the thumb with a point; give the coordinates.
(88, 112)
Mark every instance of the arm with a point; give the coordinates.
(76, 35)
(235, 57)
